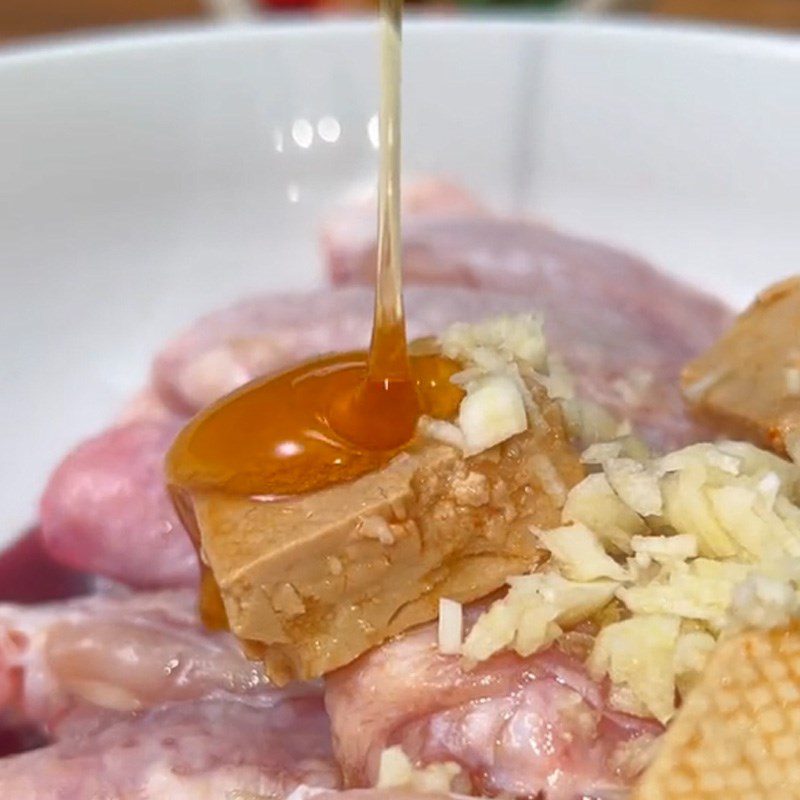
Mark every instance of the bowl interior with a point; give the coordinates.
(148, 178)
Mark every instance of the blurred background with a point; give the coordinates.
(25, 18)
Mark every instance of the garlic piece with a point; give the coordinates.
(396, 771)
(639, 653)
(491, 413)
(635, 484)
(451, 626)
(579, 554)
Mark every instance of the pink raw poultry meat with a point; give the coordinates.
(623, 328)
(351, 225)
(516, 726)
(106, 509)
(201, 750)
(144, 704)
(105, 653)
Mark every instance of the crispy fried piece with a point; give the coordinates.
(738, 734)
(748, 383)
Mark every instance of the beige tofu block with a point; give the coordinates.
(310, 583)
(748, 383)
(737, 736)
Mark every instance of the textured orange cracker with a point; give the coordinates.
(738, 734)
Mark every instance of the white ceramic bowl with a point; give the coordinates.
(146, 178)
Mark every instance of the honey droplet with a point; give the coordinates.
(378, 415)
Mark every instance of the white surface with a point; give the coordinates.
(141, 182)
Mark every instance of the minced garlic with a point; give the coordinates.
(762, 601)
(680, 543)
(579, 554)
(690, 545)
(451, 626)
(534, 613)
(501, 359)
(492, 411)
(396, 770)
(496, 342)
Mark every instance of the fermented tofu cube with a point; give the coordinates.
(748, 383)
(311, 582)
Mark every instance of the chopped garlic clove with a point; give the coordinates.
(768, 487)
(536, 629)
(705, 453)
(665, 549)
(622, 698)
(494, 630)
(578, 601)
(104, 695)
(558, 381)
(635, 484)
(589, 422)
(691, 654)
(512, 338)
(763, 602)
(395, 770)
(594, 503)
(687, 509)
(533, 613)
(639, 653)
(792, 377)
(491, 413)
(442, 431)
(755, 460)
(600, 452)
(579, 554)
(700, 591)
(451, 626)
(735, 509)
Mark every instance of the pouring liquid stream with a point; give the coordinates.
(389, 392)
(388, 355)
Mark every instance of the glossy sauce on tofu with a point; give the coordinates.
(317, 424)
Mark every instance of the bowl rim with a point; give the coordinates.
(153, 38)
